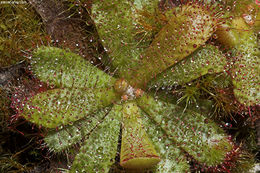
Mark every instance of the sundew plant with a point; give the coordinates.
(121, 116)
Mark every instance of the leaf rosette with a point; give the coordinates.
(87, 106)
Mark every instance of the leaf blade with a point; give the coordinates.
(201, 62)
(63, 68)
(172, 157)
(137, 151)
(57, 107)
(197, 135)
(99, 151)
(72, 134)
(183, 34)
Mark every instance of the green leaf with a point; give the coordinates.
(196, 134)
(185, 32)
(99, 150)
(172, 157)
(63, 68)
(137, 151)
(58, 107)
(238, 8)
(246, 71)
(234, 32)
(203, 61)
(117, 23)
(59, 140)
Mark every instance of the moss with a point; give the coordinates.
(21, 30)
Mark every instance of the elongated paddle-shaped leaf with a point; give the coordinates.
(63, 106)
(245, 71)
(203, 61)
(192, 25)
(99, 150)
(197, 135)
(59, 140)
(137, 152)
(172, 157)
(63, 68)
